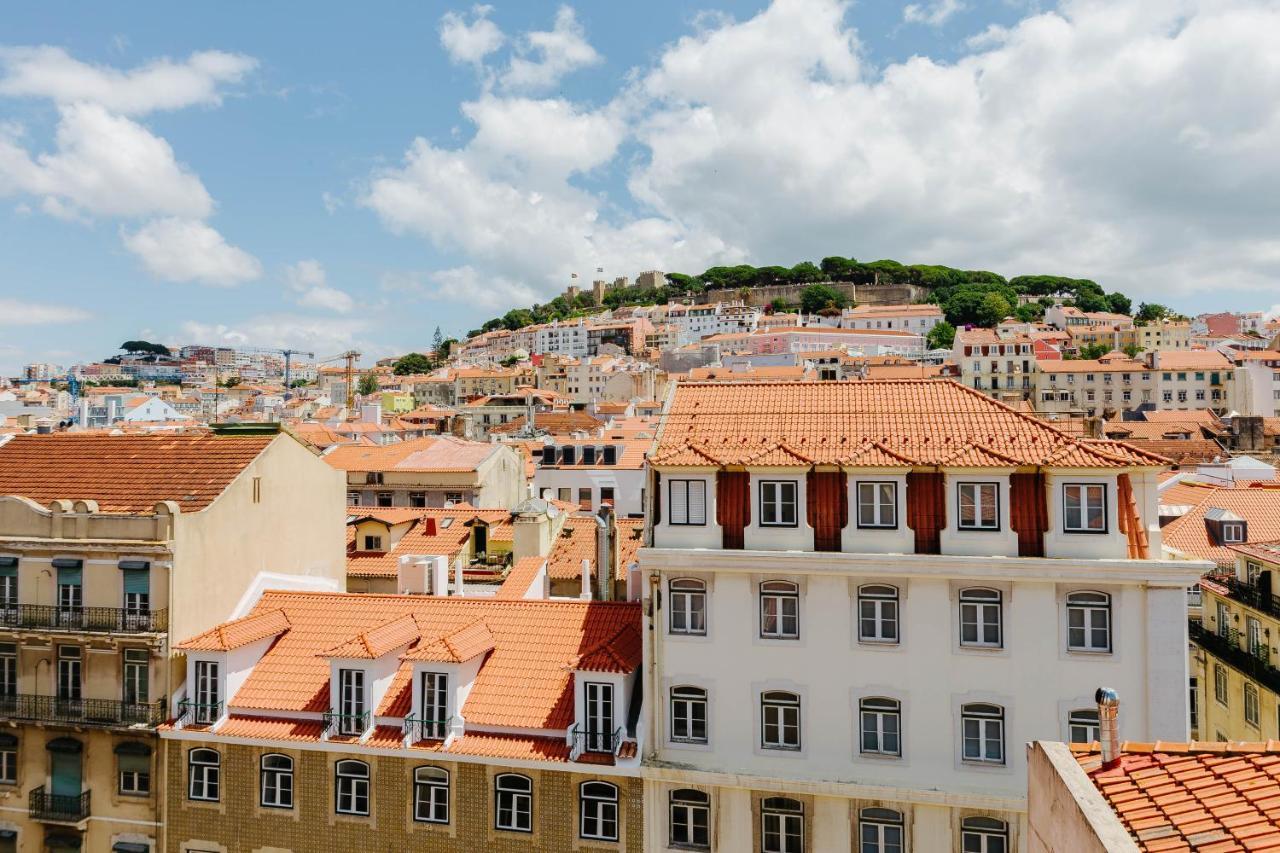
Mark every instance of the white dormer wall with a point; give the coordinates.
(1111, 545)
(462, 677)
(623, 684)
(758, 537)
(378, 674)
(234, 668)
(668, 535)
(878, 540)
(1002, 542)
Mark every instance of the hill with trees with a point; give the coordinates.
(976, 297)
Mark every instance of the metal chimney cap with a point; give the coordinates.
(1107, 697)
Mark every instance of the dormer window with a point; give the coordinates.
(979, 506)
(588, 455)
(435, 706)
(208, 704)
(1232, 531)
(373, 543)
(778, 503)
(352, 715)
(373, 478)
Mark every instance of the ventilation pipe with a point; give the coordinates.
(606, 542)
(1108, 724)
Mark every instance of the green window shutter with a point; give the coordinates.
(70, 577)
(134, 763)
(8, 567)
(137, 580)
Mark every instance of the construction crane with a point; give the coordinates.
(288, 361)
(350, 357)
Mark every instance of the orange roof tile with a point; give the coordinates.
(126, 473)
(436, 531)
(620, 653)
(923, 422)
(577, 542)
(1189, 534)
(238, 632)
(555, 423)
(441, 453)
(525, 682)
(521, 577)
(459, 646)
(1191, 796)
(375, 643)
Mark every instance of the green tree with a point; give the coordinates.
(683, 282)
(517, 318)
(436, 340)
(1132, 350)
(805, 272)
(779, 306)
(994, 308)
(445, 347)
(231, 382)
(941, 336)
(1118, 303)
(840, 269)
(1090, 352)
(510, 361)
(144, 347)
(1029, 313)
(815, 297)
(414, 362)
(367, 384)
(1151, 312)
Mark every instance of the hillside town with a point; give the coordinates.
(699, 575)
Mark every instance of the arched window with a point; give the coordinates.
(688, 606)
(204, 770)
(779, 610)
(880, 831)
(881, 726)
(513, 802)
(779, 720)
(598, 811)
(1082, 725)
(688, 714)
(431, 795)
(877, 613)
(1089, 622)
(781, 825)
(690, 818)
(276, 781)
(981, 617)
(984, 835)
(983, 732)
(351, 787)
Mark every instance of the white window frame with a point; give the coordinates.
(1083, 726)
(513, 804)
(691, 809)
(687, 703)
(1232, 532)
(780, 720)
(875, 713)
(1089, 497)
(687, 518)
(1221, 686)
(775, 501)
(781, 826)
(984, 832)
(884, 513)
(1085, 609)
(351, 701)
(9, 765)
(1252, 712)
(351, 787)
(879, 610)
(275, 785)
(208, 692)
(598, 811)
(433, 782)
(976, 604)
(981, 496)
(877, 828)
(688, 606)
(982, 724)
(779, 604)
(204, 776)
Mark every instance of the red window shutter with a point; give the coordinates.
(733, 507)
(828, 508)
(1028, 512)
(927, 510)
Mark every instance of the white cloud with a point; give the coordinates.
(17, 313)
(934, 14)
(550, 137)
(186, 250)
(308, 279)
(50, 72)
(330, 201)
(470, 42)
(103, 165)
(544, 57)
(323, 336)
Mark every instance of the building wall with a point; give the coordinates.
(295, 527)
(1065, 811)
(1227, 719)
(627, 485)
(238, 823)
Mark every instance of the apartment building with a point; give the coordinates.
(695, 322)
(1193, 379)
(355, 722)
(1103, 387)
(1258, 378)
(592, 472)
(1236, 646)
(472, 382)
(1002, 364)
(911, 318)
(865, 596)
(607, 378)
(109, 545)
(568, 337)
(431, 472)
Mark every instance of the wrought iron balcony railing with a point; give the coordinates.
(592, 740)
(1256, 665)
(346, 724)
(110, 620)
(198, 713)
(108, 713)
(1249, 594)
(417, 728)
(57, 808)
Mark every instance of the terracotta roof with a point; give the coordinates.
(126, 473)
(1204, 417)
(1180, 451)
(631, 456)
(378, 641)
(238, 632)
(919, 422)
(577, 542)
(1189, 534)
(443, 453)
(521, 577)
(556, 423)
(456, 647)
(1192, 796)
(524, 683)
(1161, 429)
(1190, 359)
(616, 654)
(430, 534)
(1269, 551)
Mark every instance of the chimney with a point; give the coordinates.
(533, 533)
(459, 588)
(606, 552)
(1108, 724)
(429, 526)
(585, 594)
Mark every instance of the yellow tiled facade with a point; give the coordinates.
(239, 823)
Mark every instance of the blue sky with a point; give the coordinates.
(322, 176)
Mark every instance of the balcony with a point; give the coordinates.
(103, 713)
(108, 620)
(57, 808)
(594, 741)
(1229, 651)
(1249, 594)
(198, 714)
(345, 725)
(417, 729)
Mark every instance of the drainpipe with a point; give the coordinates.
(655, 716)
(1108, 725)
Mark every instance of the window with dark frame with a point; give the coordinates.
(880, 831)
(688, 714)
(351, 788)
(431, 795)
(781, 825)
(778, 503)
(687, 501)
(1089, 622)
(881, 726)
(690, 819)
(276, 781)
(877, 505)
(1084, 508)
(513, 802)
(979, 506)
(598, 811)
(984, 835)
(204, 768)
(779, 720)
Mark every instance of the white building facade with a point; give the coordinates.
(855, 627)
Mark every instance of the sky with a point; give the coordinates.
(332, 175)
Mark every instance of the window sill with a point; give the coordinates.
(880, 644)
(1090, 652)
